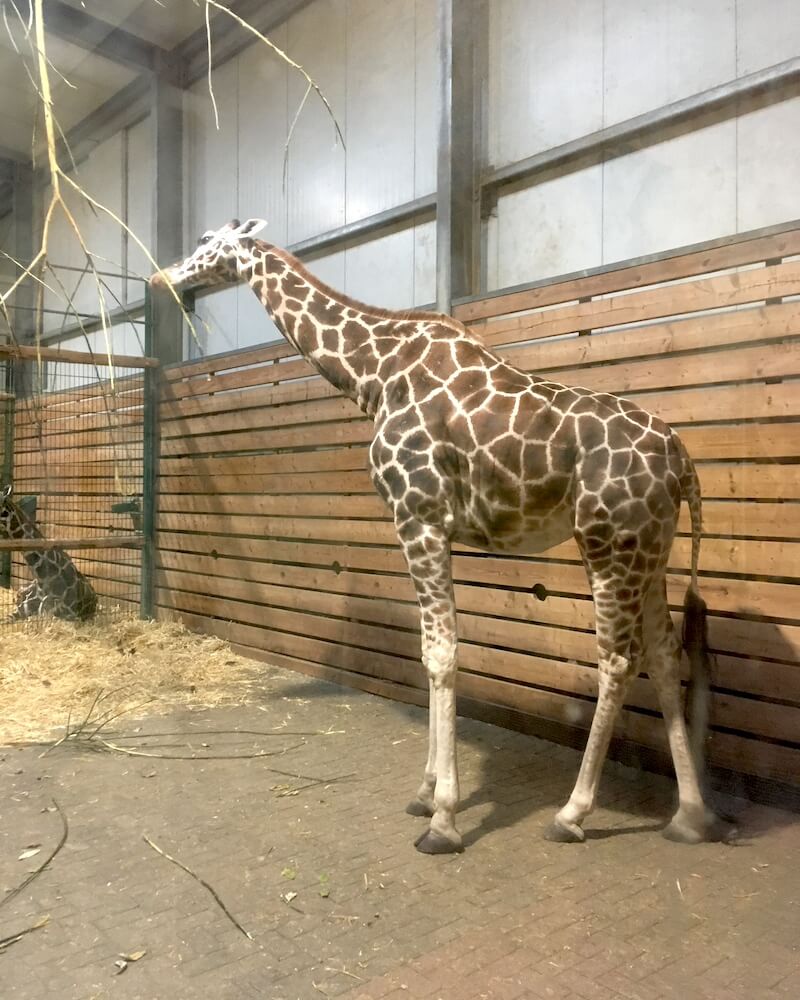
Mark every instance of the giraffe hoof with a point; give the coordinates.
(417, 808)
(560, 832)
(433, 842)
(712, 830)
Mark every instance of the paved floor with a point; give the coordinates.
(325, 879)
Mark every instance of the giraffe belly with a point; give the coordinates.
(520, 535)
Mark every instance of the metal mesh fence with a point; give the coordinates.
(73, 508)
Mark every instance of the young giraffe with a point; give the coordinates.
(469, 449)
(58, 588)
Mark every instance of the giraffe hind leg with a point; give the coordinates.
(619, 645)
(693, 822)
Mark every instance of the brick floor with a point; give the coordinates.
(626, 915)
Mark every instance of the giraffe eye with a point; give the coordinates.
(204, 239)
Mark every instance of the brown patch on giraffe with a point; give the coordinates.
(325, 311)
(330, 340)
(463, 384)
(507, 450)
(355, 335)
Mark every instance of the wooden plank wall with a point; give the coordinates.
(270, 533)
(79, 451)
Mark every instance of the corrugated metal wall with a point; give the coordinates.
(376, 62)
(118, 174)
(560, 71)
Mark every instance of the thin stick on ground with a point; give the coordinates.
(221, 756)
(202, 882)
(38, 871)
(6, 942)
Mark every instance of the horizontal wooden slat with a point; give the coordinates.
(706, 368)
(670, 268)
(88, 358)
(41, 544)
(238, 359)
(700, 333)
(775, 520)
(726, 290)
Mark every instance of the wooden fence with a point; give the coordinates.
(77, 448)
(270, 534)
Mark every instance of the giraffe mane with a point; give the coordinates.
(363, 307)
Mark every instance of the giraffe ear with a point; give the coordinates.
(251, 227)
(7, 491)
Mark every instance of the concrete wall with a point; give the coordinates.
(376, 62)
(560, 71)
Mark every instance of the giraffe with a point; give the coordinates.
(469, 449)
(58, 588)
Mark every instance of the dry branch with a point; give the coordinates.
(38, 871)
(202, 882)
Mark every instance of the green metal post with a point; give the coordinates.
(149, 467)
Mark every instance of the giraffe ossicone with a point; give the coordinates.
(469, 449)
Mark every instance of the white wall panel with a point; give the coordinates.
(381, 272)
(330, 268)
(426, 98)
(424, 264)
(768, 33)
(545, 76)
(262, 128)
(380, 105)
(552, 228)
(316, 185)
(670, 194)
(213, 161)
(768, 154)
(657, 52)
(139, 203)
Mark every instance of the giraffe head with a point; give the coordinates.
(10, 517)
(214, 262)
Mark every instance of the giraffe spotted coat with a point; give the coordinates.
(58, 588)
(469, 449)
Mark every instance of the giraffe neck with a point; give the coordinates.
(346, 341)
(19, 526)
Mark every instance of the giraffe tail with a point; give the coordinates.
(695, 625)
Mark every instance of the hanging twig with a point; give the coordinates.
(38, 871)
(202, 882)
(295, 65)
(210, 84)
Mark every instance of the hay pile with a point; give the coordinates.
(51, 669)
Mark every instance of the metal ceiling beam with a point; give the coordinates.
(100, 37)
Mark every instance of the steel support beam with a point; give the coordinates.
(457, 206)
(98, 36)
(401, 216)
(166, 124)
(619, 139)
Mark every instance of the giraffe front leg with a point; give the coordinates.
(423, 804)
(427, 551)
(442, 837)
